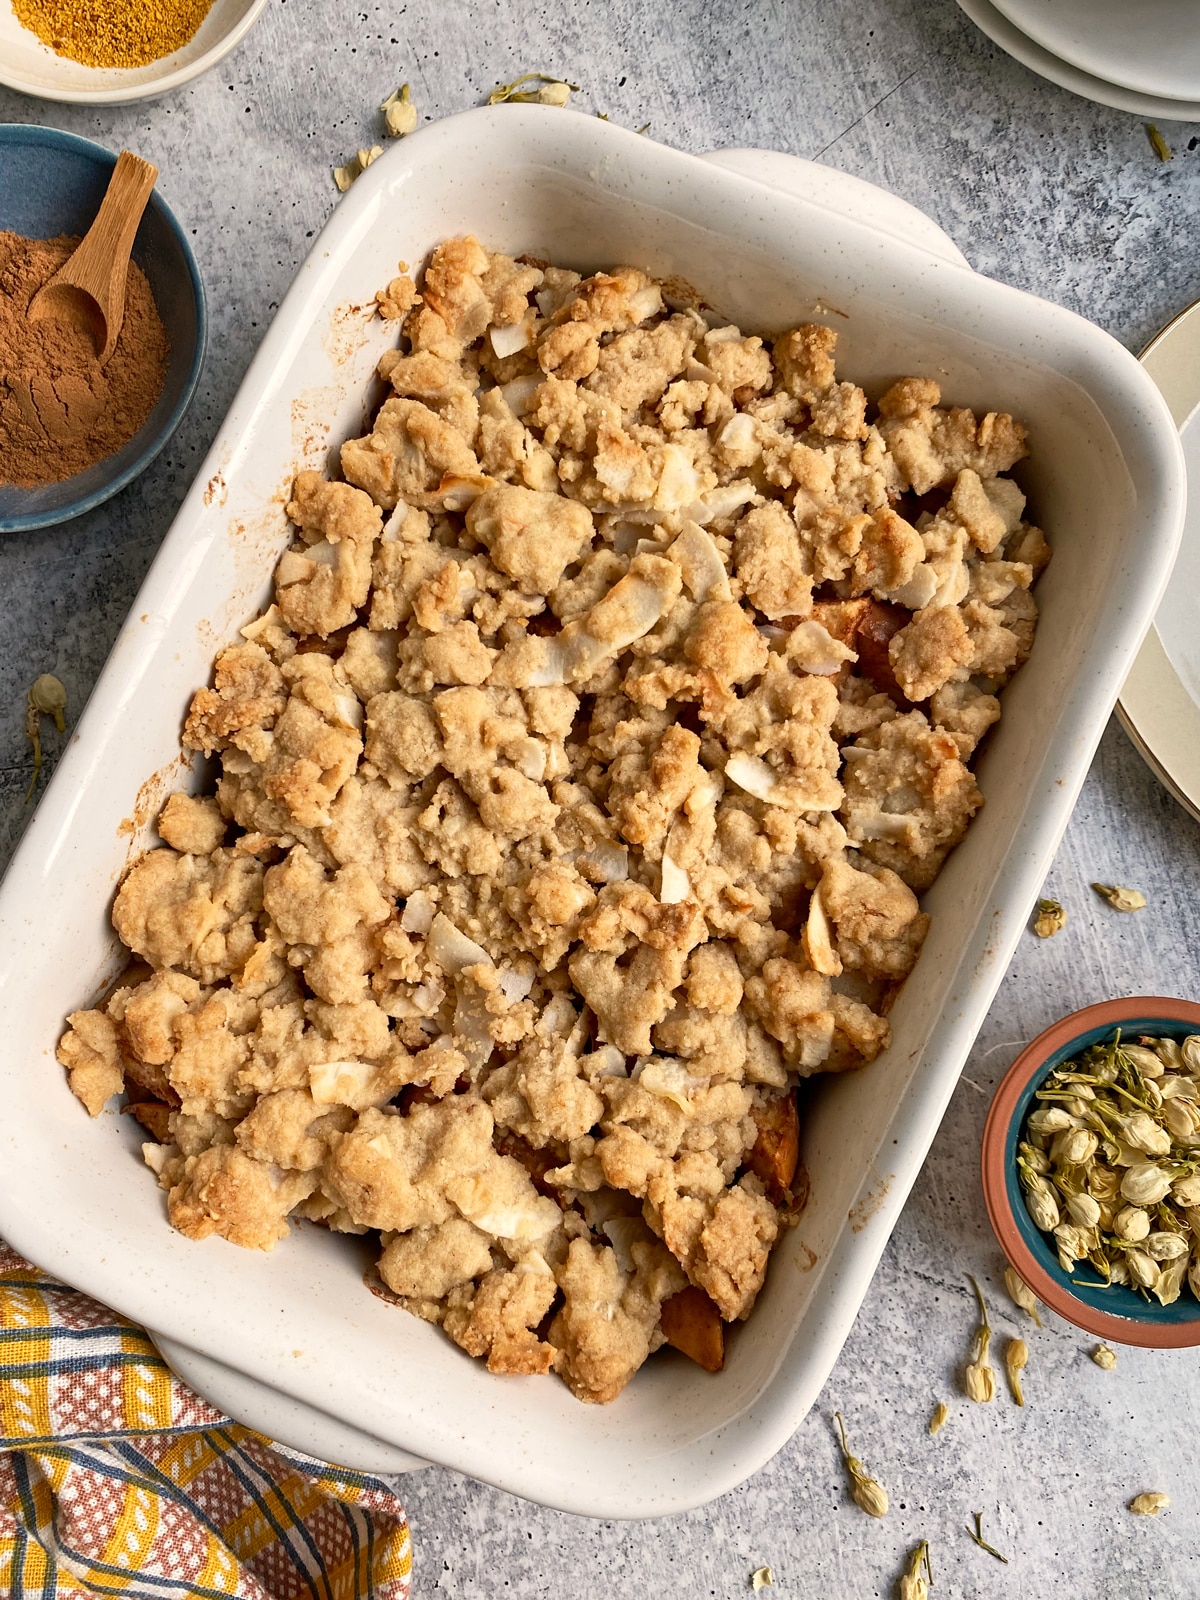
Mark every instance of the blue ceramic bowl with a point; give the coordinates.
(52, 183)
(1118, 1313)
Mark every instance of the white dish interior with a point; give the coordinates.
(1018, 44)
(1107, 481)
(32, 67)
(1153, 47)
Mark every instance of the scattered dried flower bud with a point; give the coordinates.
(355, 167)
(550, 91)
(872, 1497)
(1021, 1294)
(1145, 1184)
(1121, 899)
(1050, 919)
(1157, 143)
(941, 1414)
(764, 1578)
(979, 1382)
(1016, 1355)
(49, 697)
(1149, 1504)
(1104, 1357)
(399, 113)
(914, 1583)
(977, 1535)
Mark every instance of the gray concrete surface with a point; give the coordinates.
(1039, 188)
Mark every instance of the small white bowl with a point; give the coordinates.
(32, 67)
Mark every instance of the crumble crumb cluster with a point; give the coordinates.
(577, 790)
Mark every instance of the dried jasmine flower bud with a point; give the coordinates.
(1104, 1357)
(914, 1584)
(1189, 1051)
(356, 166)
(399, 113)
(1143, 1271)
(979, 1378)
(864, 1491)
(1186, 1191)
(1145, 1184)
(1170, 1281)
(1165, 1246)
(1131, 1224)
(938, 1420)
(1036, 1159)
(1157, 143)
(1148, 1062)
(47, 698)
(1121, 899)
(1168, 1052)
(551, 91)
(1016, 1355)
(1143, 1133)
(1021, 1294)
(1050, 919)
(1041, 1204)
(1182, 1118)
(1078, 1147)
(764, 1578)
(1084, 1210)
(1051, 1119)
(1149, 1504)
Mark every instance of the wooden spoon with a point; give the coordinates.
(88, 290)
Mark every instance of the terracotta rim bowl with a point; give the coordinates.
(1118, 1313)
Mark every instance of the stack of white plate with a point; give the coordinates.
(1137, 55)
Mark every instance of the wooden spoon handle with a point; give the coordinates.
(101, 262)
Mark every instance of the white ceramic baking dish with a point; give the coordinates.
(1106, 479)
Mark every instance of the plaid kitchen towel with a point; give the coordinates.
(116, 1479)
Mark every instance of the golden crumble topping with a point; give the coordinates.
(575, 797)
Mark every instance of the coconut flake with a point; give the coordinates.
(818, 939)
(518, 395)
(514, 986)
(647, 302)
(605, 1061)
(669, 1078)
(679, 483)
(676, 885)
(814, 649)
(155, 1156)
(725, 335)
(340, 1083)
(451, 949)
(623, 1233)
(507, 341)
(390, 532)
(349, 710)
(608, 861)
(752, 774)
(418, 913)
(271, 618)
(428, 998)
(718, 505)
(699, 560)
(879, 825)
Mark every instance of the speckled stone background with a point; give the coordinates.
(1040, 189)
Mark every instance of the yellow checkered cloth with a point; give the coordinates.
(116, 1479)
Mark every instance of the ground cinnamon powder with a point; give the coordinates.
(59, 413)
(112, 33)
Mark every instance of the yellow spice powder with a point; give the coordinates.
(112, 33)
